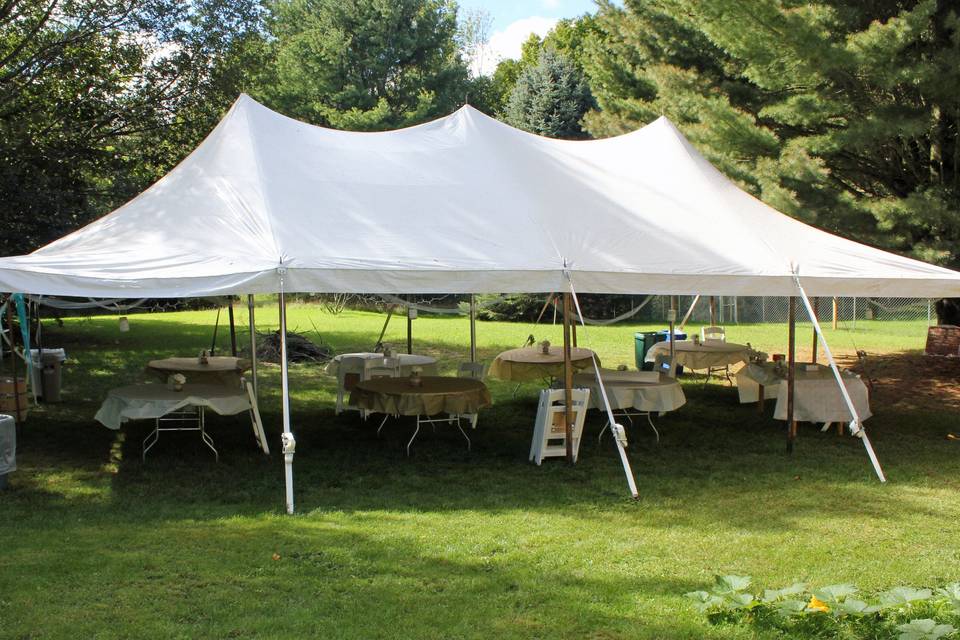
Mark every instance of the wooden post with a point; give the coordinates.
(233, 329)
(791, 370)
(253, 347)
(473, 328)
(673, 318)
(567, 378)
(836, 312)
(409, 329)
(573, 331)
(713, 311)
(817, 316)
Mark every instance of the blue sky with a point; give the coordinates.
(514, 21)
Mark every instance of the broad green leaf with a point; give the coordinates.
(731, 584)
(790, 608)
(850, 607)
(772, 595)
(835, 592)
(741, 600)
(952, 593)
(704, 601)
(904, 595)
(924, 629)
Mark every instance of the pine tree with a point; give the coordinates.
(550, 98)
(842, 113)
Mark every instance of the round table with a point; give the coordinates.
(712, 354)
(435, 395)
(664, 394)
(530, 363)
(427, 364)
(224, 370)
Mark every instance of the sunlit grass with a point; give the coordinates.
(448, 543)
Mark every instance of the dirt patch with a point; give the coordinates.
(910, 380)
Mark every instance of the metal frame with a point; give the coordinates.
(194, 415)
(630, 415)
(428, 420)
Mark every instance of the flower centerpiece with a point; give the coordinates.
(176, 381)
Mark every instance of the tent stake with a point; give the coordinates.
(473, 328)
(567, 378)
(253, 347)
(287, 440)
(791, 371)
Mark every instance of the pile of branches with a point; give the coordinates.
(299, 348)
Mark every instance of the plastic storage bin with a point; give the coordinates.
(643, 340)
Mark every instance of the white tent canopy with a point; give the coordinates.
(461, 204)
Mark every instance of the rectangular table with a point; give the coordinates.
(164, 404)
(817, 397)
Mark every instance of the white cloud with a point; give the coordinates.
(551, 4)
(507, 43)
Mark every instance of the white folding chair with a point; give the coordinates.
(549, 432)
(715, 334)
(350, 371)
(664, 364)
(474, 370)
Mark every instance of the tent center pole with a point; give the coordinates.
(713, 311)
(253, 347)
(791, 370)
(287, 440)
(473, 328)
(672, 317)
(567, 379)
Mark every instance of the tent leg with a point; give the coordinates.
(288, 442)
(713, 311)
(473, 328)
(567, 379)
(253, 347)
(619, 435)
(673, 319)
(13, 362)
(855, 427)
(791, 371)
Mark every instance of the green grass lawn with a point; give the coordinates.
(449, 543)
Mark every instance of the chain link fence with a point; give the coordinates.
(757, 309)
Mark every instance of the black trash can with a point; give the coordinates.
(8, 448)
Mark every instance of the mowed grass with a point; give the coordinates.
(449, 543)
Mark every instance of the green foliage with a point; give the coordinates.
(366, 64)
(844, 114)
(99, 98)
(830, 611)
(550, 98)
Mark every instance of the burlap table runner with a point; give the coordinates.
(530, 363)
(435, 395)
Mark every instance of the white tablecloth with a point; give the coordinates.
(427, 364)
(817, 397)
(705, 355)
(141, 401)
(632, 392)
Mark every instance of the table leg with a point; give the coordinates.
(152, 437)
(207, 440)
(414, 436)
(653, 426)
(760, 401)
(464, 434)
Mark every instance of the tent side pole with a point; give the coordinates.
(672, 317)
(814, 360)
(791, 370)
(253, 347)
(713, 311)
(620, 436)
(836, 312)
(233, 329)
(473, 328)
(855, 426)
(567, 379)
(288, 442)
